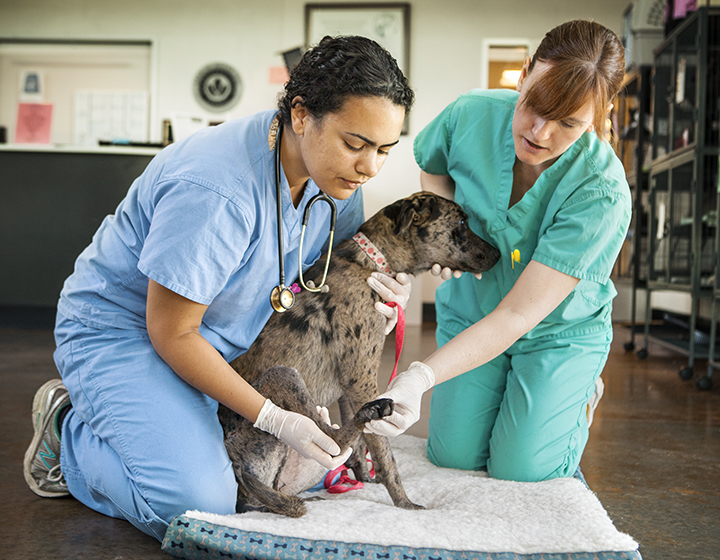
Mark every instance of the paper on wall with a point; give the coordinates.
(111, 116)
(34, 123)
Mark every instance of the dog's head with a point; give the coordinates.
(429, 229)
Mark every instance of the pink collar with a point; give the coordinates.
(374, 253)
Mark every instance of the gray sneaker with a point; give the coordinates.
(42, 459)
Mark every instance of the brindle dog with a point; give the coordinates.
(335, 340)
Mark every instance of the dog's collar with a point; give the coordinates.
(374, 253)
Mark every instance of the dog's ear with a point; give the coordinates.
(416, 210)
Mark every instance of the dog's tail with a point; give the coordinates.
(274, 501)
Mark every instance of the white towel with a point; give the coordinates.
(465, 511)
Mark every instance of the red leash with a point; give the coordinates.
(399, 335)
(345, 483)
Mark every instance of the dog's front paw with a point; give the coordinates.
(374, 410)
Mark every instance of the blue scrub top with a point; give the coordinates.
(574, 219)
(202, 221)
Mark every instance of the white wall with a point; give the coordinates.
(445, 59)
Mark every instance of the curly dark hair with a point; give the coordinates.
(339, 67)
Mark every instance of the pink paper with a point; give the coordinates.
(34, 121)
(278, 75)
(682, 7)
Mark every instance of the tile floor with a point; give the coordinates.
(653, 458)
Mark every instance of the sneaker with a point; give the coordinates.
(42, 459)
(595, 399)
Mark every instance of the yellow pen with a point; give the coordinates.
(514, 258)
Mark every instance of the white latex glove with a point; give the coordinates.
(391, 289)
(302, 434)
(406, 390)
(446, 273)
(325, 415)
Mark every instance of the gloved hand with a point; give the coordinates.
(390, 289)
(446, 273)
(302, 434)
(406, 390)
(325, 416)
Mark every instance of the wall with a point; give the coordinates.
(445, 60)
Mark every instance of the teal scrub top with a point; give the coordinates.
(574, 219)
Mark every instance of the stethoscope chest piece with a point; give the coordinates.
(282, 298)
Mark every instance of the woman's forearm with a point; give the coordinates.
(476, 345)
(198, 363)
(536, 293)
(173, 324)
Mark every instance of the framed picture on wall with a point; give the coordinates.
(32, 86)
(388, 24)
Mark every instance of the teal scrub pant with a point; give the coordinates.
(521, 416)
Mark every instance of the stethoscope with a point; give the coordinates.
(282, 297)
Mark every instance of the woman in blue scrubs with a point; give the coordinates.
(522, 348)
(177, 283)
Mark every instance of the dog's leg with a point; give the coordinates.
(387, 472)
(346, 410)
(272, 500)
(292, 506)
(259, 458)
(286, 388)
(380, 452)
(357, 461)
(379, 447)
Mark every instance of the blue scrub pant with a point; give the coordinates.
(139, 443)
(523, 415)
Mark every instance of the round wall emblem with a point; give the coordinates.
(217, 87)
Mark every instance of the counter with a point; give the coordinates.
(70, 149)
(52, 200)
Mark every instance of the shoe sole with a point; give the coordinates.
(595, 399)
(43, 396)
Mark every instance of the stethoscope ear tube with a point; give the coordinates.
(333, 209)
(282, 298)
(333, 217)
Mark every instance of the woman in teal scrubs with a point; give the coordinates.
(521, 349)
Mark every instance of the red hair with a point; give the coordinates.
(586, 63)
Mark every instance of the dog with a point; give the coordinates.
(330, 346)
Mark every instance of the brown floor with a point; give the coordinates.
(653, 459)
